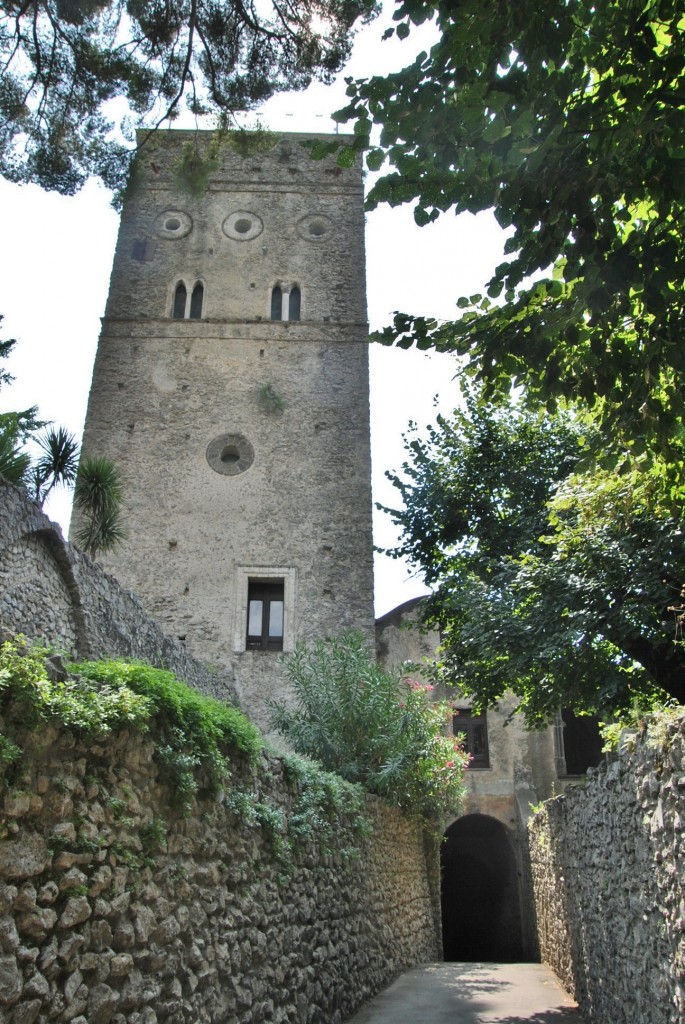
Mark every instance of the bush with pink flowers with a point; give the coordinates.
(379, 728)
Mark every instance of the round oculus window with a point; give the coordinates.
(315, 227)
(230, 454)
(242, 225)
(173, 224)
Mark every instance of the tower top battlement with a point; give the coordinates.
(284, 156)
(242, 218)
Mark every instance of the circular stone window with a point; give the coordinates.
(315, 227)
(230, 454)
(242, 225)
(173, 224)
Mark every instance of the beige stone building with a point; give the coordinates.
(231, 390)
(487, 907)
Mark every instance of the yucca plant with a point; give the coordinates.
(98, 497)
(57, 464)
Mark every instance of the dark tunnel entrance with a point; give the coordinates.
(481, 906)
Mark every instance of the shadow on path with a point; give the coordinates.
(459, 993)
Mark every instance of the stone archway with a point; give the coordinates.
(481, 904)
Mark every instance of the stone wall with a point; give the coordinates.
(116, 908)
(608, 864)
(49, 590)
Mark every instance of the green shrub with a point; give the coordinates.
(74, 702)
(329, 811)
(372, 727)
(193, 733)
(193, 729)
(652, 719)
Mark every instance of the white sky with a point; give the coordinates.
(56, 258)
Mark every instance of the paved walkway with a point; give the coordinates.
(472, 994)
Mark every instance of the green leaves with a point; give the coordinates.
(372, 726)
(57, 463)
(98, 499)
(16, 428)
(567, 120)
(63, 62)
(551, 576)
(193, 733)
(70, 700)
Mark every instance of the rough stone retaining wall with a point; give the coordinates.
(608, 863)
(50, 590)
(114, 908)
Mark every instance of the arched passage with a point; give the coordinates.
(481, 907)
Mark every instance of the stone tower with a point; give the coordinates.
(231, 390)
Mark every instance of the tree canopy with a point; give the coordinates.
(567, 119)
(551, 579)
(15, 427)
(64, 61)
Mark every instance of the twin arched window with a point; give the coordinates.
(185, 309)
(286, 305)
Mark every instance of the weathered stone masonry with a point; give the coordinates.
(208, 925)
(51, 591)
(224, 485)
(211, 926)
(608, 864)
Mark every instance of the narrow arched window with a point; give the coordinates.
(276, 303)
(294, 304)
(180, 296)
(196, 301)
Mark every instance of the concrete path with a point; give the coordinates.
(472, 994)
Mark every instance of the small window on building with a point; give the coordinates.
(294, 302)
(180, 296)
(276, 304)
(474, 729)
(265, 602)
(578, 743)
(196, 302)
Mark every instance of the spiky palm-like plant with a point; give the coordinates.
(57, 464)
(97, 496)
(14, 463)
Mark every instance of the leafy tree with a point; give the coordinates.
(567, 119)
(479, 485)
(550, 579)
(64, 61)
(372, 726)
(15, 428)
(58, 459)
(98, 498)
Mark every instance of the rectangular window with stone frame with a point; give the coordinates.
(474, 730)
(265, 607)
